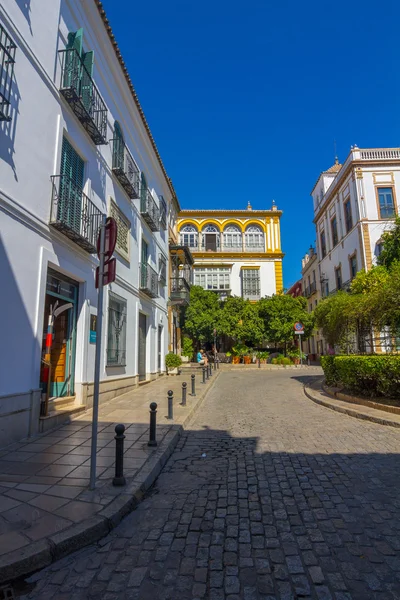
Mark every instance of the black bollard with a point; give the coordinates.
(218, 363)
(207, 372)
(119, 478)
(193, 385)
(204, 374)
(215, 363)
(170, 404)
(153, 421)
(210, 369)
(259, 363)
(184, 390)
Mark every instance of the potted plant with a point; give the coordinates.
(239, 351)
(173, 362)
(187, 350)
(229, 356)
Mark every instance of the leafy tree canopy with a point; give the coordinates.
(280, 312)
(202, 314)
(391, 245)
(240, 320)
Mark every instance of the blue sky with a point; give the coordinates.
(245, 99)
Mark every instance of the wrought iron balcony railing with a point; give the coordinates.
(125, 168)
(74, 214)
(7, 61)
(149, 210)
(162, 264)
(180, 291)
(148, 280)
(310, 289)
(163, 213)
(79, 90)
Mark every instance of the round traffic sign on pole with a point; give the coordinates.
(298, 327)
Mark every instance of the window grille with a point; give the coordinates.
(162, 269)
(254, 238)
(232, 238)
(214, 279)
(116, 346)
(251, 284)
(123, 231)
(7, 61)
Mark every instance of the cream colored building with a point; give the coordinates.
(354, 204)
(236, 252)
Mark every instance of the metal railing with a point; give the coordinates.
(148, 280)
(7, 61)
(74, 214)
(149, 210)
(162, 265)
(163, 213)
(125, 168)
(310, 289)
(79, 90)
(179, 290)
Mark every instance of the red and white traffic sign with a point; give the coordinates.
(299, 327)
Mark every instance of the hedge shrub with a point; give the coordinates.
(367, 375)
(173, 360)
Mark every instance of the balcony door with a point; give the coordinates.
(72, 169)
(210, 242)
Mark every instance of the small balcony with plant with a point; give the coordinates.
(74, 214)
(182, 272)
(82, 95)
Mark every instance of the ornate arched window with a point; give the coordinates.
(232, 238)
(254, 238)
(189, 236)
(211, 238)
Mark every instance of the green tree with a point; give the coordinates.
(280, 313)
(202, 314)
(391, 245)
(240, 320)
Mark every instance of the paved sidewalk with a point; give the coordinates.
(46, 508)
(316, 392)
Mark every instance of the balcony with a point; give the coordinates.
(149, 210)
(74, 214)
(125, 169)
(310, 289)
(180, 291)
(148, 280)
(82, 95)
(226, 248)
(163, 213)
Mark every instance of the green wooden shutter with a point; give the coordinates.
(143, 193)
(72, 64)
(71, 186)
(118, 148)
(143, 270)
(87, 81)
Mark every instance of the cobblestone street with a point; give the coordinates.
(267, 495)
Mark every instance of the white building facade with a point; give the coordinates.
(354, 204)
(74, 146)
(236, 252)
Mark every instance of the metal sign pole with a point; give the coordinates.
(301, 353)
(97, 361)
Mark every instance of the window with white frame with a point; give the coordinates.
(116, 337)
(254, 238)
(232, 238)
(212, 278)
(251, 284)
(189, 236)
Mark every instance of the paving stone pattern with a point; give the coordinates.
(292, 500)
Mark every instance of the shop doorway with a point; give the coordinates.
(60, 292)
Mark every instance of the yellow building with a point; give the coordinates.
(236, 252)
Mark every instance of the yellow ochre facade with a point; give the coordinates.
(236, 252)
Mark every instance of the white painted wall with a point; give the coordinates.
(30, 150)
(267, 274)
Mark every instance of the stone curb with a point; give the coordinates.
(42, 553)
(360, 401)
(347, 411)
